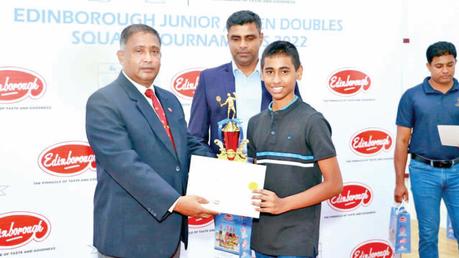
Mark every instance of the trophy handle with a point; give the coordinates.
(240, 156)
(221, 149)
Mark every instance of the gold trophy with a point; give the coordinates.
(229, 130)
(228, 227)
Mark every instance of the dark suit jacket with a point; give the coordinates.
(139, 174)
(205, 111)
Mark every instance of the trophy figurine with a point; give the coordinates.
(229, 130)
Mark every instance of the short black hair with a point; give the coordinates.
(440, 48)
(243, 17)
(134, 28)
(281, 48)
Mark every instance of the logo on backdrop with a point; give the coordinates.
(20, 228)
(67, 159)
(349, 82)
(185, 82)
(351, 197)
(374, 249)
(370, 142)
(200, 222)
(17, 84)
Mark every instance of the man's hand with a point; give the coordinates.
(268, 201)
(400, 158)
(190, 205)
(400, 193)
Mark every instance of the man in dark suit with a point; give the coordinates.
(241, 76)
(139, 135)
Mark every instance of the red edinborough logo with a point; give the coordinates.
(199, 222)
(349, 82)
(19, 228)
(371, 141)
(373, 249)
(352, 196)
(67, 159)
(184, 83)
(16, 84)
(403, 219)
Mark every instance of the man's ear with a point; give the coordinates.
(299, 73)
(262, 36)
(428, 66)
(120, 55)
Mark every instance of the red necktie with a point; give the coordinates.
(160, 113)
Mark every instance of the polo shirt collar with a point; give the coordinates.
(455, 85)
(428, 89)
(294, 100)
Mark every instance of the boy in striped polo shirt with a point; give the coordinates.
(294, 141)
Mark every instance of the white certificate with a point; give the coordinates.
(449, 135)
(227, 185)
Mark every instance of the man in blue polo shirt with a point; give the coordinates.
(434, 168)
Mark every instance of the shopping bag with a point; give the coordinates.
(232, 234)
(400, 229)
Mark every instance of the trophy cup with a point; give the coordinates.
(232, 232)
(229, 130)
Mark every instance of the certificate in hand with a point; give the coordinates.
(227, 185)
(449, 135)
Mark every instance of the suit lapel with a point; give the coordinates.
(172, 119)
(155, 124)
(230, 83)
(147, 111)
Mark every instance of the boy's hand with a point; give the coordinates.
(268, 201)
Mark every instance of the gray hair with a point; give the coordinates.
(134, 28)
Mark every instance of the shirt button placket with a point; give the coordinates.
(272, 138)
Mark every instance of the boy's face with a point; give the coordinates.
(280, 77)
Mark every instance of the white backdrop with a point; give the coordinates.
(54, 54)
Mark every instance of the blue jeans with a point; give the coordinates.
(260, 255)
(429, 185)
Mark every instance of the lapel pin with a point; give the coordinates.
(170, 109)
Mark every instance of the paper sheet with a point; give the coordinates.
(227, 185)
(449, 135)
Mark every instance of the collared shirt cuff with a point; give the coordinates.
(171, 209)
